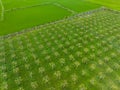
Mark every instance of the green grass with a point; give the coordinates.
(0, 13)
(79, 53)
(17, 20)
(1, 10)
(114, 4)
(9, 4)
(30, 17)
(79, 5)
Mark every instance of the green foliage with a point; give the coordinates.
(26, 18)
(23, 14)
(114, 4)
(78, 53)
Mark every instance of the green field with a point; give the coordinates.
(21, 19)
(59, 45)
(114, 4)
(78, 53)
(22, 14)
(16, 16)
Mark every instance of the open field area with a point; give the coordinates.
(114, 4)
(24, 18)
(23, 14)
(21, 19)
(59, 45)
(78, 53)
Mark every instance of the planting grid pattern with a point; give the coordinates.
(78, 53)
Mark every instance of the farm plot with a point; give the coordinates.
(24, 14)
(26, 18)
(10, 4)
(79, 5)
(114, 4)
(78, 53)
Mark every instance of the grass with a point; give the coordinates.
(1, 11)
(114, 4)
(30, 17)
(16, 18)
(79, 5)
(78, 53)
(9, 4)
